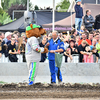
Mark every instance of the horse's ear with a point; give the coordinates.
(31, 25)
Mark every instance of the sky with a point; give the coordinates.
(44, 3)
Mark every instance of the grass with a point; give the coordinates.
(1, 82)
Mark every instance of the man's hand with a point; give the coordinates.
(52, 51)
(47, 44)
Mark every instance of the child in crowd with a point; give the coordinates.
(68, 53)
(88, 58)
(82, 28)
(95, 55)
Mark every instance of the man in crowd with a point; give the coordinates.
(73, 34)
(2, 43)
(55, 45)
(84, 37)
(81, 50)
(97, 37)
(88, 20)
(12, 51)
(91, 36)
(42, 44)
(79, 15)
(97, 22)
(7, 38)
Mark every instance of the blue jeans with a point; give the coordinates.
(58, 73)
(54, 71)
(78, 23)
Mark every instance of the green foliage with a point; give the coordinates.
(30, 6)
(1, 82)
(6, 4)
(1, 11)
(64, 4)
(36, 7)
(14, 2)
(5, 18)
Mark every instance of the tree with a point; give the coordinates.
(16, 7)
(1, 11)
(6, 4)
(64, 4)
(36, 7)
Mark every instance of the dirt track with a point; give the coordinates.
(38, 90)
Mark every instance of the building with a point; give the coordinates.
(73, 2)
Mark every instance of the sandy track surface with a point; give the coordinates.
(46, 91)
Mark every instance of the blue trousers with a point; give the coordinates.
(54, 71)
(78, 23)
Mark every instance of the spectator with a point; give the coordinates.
(77, 40)
(3, 46)
(84, 37)
(49, 36)
(82, 28)
(79, 15)
(82, 51)
(7, 38)
(72, 47)
(54, 45)
(2, 43)
(97, 22)
(67, 54)
(95, 55)
(88, 58)
(12, 51)
(98, 47)
(73, 34)
(94, 41)
(16, 42)
(42, 44)
(91, 36)
(2, 35)
(88, 20)
(17, 33)
(66, 44)
(97, 37)
(21, 45)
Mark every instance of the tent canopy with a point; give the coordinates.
(43, 17)
(62, 19)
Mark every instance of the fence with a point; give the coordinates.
(4, 59)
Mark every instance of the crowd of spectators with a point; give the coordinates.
(82, 41)
(86, 45)
(12, 44)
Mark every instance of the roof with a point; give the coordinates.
(43, 17)
(90, 1)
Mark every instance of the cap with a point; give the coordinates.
(33, 26)
(7, 34)
(78, 0)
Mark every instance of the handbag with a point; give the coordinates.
(58, 59)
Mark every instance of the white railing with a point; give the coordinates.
(4, 59)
